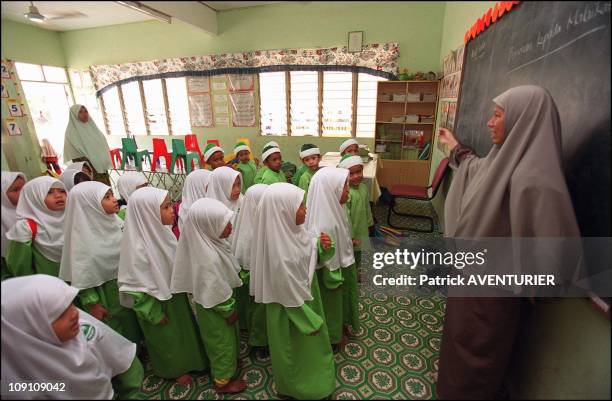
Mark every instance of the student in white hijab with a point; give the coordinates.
(12, 184)
(90, 258)
(72, 177)
(327, 194)
(283, 279)
(127, 183)
(37, 238)
(81, 166)
(206, 268)
(194, 188)
(224, 186)
(243, 241)
(47, 339)
(83, 141)
(147, 254)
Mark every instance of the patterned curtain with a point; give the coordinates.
(376, 59)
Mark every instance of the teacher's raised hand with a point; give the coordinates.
(447, 137)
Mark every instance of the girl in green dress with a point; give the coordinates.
(243, 241)
(37, 238)
(206, 268)
(328, 193)
(283, 278)
(90, 259)
(145, 269)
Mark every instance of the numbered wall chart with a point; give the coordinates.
(200, 105)
(242, 99)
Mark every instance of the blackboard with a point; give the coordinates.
(565, 48)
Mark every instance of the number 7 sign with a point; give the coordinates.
(12, 127)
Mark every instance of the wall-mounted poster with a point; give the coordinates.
(200, 110)
(241, 82)
(198, 84)
(450, 121)
(243, 109)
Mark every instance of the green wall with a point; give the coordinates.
(31, 44)
(416, 26)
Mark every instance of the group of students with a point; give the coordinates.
(88, 280)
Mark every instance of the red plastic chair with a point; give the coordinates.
(417, 193)
(161, 150)
(192, 145)
(115, 155)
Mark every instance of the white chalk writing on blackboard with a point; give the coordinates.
(478, 51)
(544, 40)
(514, 53)
(588, 12)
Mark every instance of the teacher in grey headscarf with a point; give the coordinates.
(517, 190)
(84, 142)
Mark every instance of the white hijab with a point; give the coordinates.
(283, 264)
(9, 211)
(67, 178)
(327, 215)
(194, 188)
(147, 248)
(92, 238)
(243, 239)
(127, 183)
(204, 265)
(32, 351)
(50, 225)
(78, 166)
(220, 187)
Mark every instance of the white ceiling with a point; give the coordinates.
(230, 5)
(96, 14)
(73, 15)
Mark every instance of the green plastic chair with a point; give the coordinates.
(128, 148)
(179, 152)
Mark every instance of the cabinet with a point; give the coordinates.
(405, 121)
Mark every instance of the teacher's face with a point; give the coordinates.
(496, 126)
(83, 115)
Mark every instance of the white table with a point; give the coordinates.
(369, 171)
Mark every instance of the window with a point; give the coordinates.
(145, 107)
(366, 105)
(273, 95)
(85, 94)
(49, 98)
(320, 103)
(304, 103)
(337, 103)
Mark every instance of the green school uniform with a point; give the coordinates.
(127, 384)
(360, 216)
(123, 320)
(221, 341)
(244, 302)
(248, 171)
(330, 284)
(305, 181)
(23, 259)
(259, 175)
(5, 272)
(175, 348)
(303, 365)
(271, 177)
(121, 213)
(296, 177)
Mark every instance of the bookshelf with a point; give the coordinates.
(405, 121)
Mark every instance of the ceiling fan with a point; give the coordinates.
(35, 16)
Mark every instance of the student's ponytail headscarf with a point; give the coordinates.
(9, 211)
